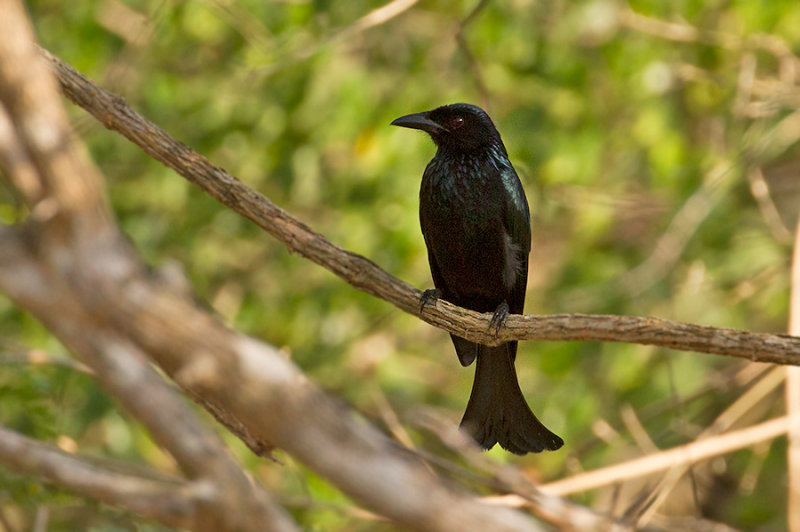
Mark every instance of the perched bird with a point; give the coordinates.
(476, 224)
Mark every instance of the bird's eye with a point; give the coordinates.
(456, 122)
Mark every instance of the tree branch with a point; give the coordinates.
(43, 132)
(98, 298)
(115, 114)
(67, 308)
(251, 385)
(77, 244)
(171, 502)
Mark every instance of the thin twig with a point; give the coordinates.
(376, 17)
(41, 519)
(677, 456)
(682, 32)
(744, 83)
(365, 275)
(682, 227)
(755, 394)
(173, 503)
(637, 430)
(760, 191)
(37, 357)
(472, 61)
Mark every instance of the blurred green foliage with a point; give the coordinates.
(622, 138)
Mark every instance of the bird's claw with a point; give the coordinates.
(499, 318)
(429, 297)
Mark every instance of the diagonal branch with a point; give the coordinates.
(168, 501)
(231, 501)
(84, 282)
(115, 114)
(75, 248)
(44, 139)
(250, 385)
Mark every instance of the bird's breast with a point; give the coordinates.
(461, 218)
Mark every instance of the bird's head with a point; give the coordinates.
(460, 127)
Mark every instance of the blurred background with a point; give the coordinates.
(657, 143)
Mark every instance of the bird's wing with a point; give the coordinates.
(466, 350)
(516, 221)
(438, 280)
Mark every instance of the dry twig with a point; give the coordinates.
(681, 32)
(755, 394)
(37, 357)
(376, 17)
(169, 501)
(760, 191)
(473, 63)
(677, 456)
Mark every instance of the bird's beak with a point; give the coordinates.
(418, 121)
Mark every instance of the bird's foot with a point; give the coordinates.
(499, 318)
(429, 297)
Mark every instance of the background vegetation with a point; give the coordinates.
(644, 150)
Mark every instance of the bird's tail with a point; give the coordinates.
(497, 411)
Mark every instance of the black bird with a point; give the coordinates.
(476, 224)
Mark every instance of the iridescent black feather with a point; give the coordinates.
(476, 224)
